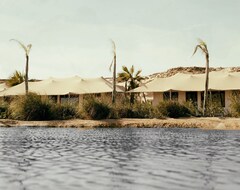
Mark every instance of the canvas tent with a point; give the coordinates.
(64, 86)
(3, 87)
(218, 80)
(182, 83)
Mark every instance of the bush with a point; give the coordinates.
(95, 109)
(193, 108)
(3, 110)
(214, 109)
(235, 105)
(172, 109)
(30, 107)
(65, 111)
(136, 110)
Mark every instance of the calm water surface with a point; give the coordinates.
(55, 158)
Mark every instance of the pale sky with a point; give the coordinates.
(72, 37)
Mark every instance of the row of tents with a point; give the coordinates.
(179, 86)
(73, 87)
(223, 85)
(63, 86)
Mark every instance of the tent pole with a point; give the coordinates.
(58, 99)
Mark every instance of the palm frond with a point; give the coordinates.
(16, 78)
(196, 48)
(201, 42)
(138, 72)
(132, 70)
(132, 80)
(122, 77)
(21, 44)
(125, 69)
(138, 78)
(114, 47)
(203, 45)
(110, 67)
(29, 46)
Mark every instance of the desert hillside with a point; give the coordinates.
(193, 70)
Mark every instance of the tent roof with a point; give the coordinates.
(63, 86)
(218, 80)
(3, 86)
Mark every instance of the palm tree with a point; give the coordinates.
(203, 46)
(16, 78)
(27, 51)
(131, 80)
(114, 71)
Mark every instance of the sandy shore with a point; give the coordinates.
(203, 123)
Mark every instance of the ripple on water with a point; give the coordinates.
(54, 158)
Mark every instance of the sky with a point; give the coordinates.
(73, 37)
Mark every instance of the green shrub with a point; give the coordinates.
(193, 108)
(30, 107)
(235, 106)
(172, 109)
(3, 110)
(214, 109)
(136, 110)
(95, 109)
(65, 111)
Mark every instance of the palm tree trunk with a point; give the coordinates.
(144, 96)
(114, 80)
(26, 75)
(132, 98)
(125, 90)
(206, 86)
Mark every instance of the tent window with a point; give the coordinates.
(174, 96)
(72, 99)
(53, 98)
(217, 97)
(191, 96)
(166, 96)
(64, 99)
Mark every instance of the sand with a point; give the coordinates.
(210, 123)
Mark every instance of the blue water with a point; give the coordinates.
(130, 158)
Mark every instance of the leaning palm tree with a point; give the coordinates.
(131, 80)
(27, 51)
(114, 71)
(203, 46)
(16, 78)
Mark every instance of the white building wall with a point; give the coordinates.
(199, 101)
(181, 97)
(157, 97)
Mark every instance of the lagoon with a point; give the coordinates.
(119, 158)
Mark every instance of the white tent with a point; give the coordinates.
(218, 80)
(3, 87)
(64, 86)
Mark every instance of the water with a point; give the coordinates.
(130, 158)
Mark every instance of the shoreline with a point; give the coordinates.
(210, 123)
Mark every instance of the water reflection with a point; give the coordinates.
(48, 158)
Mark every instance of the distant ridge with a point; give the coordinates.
(189, 70)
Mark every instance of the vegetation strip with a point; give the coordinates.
(202, 123)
